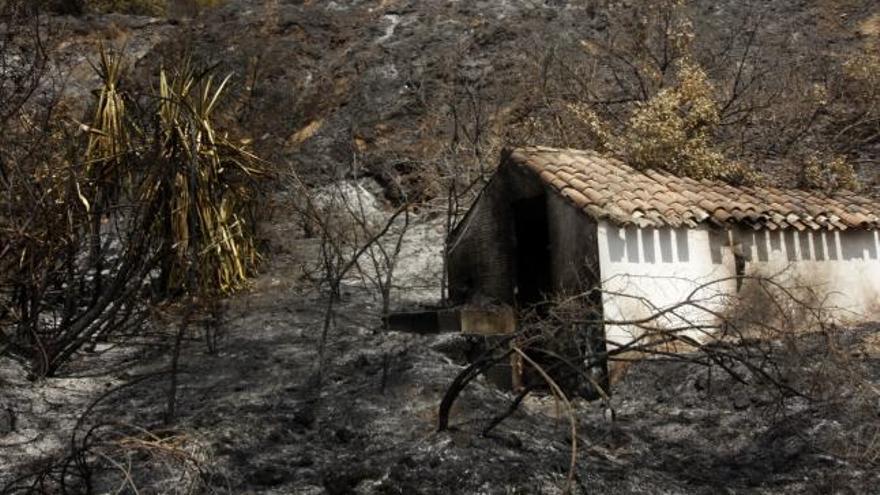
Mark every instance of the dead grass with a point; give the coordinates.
(870, 26)
(134, 7)
(157, 8)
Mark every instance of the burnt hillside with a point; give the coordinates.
(404, 84)
(140, 353)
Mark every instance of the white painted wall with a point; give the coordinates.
(644, 270)
(842, 267)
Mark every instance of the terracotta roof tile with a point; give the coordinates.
(608, 188)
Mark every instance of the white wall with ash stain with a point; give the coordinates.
(646, 270)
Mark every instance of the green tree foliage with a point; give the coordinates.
(672, 130)
(829, 174)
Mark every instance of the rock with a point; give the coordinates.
(305, 417)
(408, 461)
(347, 199)
(742, 401)
(455, 346)
(510, 440)
(342, 480)
(269, 475)
(7, 421)
(344, 435)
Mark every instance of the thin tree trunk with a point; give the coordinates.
(171, 406)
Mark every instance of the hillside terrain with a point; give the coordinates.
(405, 106)
(401, 86)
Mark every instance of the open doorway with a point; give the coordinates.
(532, 253)
(571, 354)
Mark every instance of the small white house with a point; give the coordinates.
(563, 221)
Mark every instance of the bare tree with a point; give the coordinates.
(708, 327)
(348, 230)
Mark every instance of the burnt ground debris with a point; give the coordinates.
(262, 425)
(377, 73)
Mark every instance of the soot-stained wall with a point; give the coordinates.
(574, 258)
(481, 252)
(482, 255)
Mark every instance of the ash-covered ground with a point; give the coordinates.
(328, 81)
(252, 417)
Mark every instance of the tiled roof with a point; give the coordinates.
(607, 188)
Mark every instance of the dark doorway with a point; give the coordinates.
(532, 251)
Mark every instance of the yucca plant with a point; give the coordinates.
(205, 185)
(106, 170)
(109, 132)
(199, 179)
(87, 220)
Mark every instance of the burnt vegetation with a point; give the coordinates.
(144, 199)
(219, 225)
